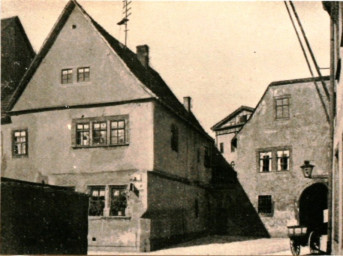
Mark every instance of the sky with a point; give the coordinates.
(221, 53)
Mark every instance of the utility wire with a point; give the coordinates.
(310, 50)
(308, 63)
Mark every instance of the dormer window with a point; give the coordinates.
(67, 76)
(83, 74)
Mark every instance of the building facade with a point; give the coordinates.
(227, 128)
(335, 10)
(289, 126)
(92, 115)
(16, 56)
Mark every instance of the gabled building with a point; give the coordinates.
(92, 115)
(289, 126)
(227, 128)
(335, 10)
(16, 56)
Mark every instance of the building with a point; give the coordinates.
(227, 128)
(16, 56)
(289, 126)
(335, 10)
(92, 115)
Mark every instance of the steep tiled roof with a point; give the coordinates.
(148, 76)
(234, 113)
(14, 62)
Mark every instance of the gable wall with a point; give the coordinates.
(306, 133)
(83, 46)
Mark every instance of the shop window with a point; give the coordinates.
(96, 201)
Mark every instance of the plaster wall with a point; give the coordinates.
(110, 79)
(183, 163)
(50, 150)
(305, 133)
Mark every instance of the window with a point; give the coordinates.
(174, 138)
(118, 201)
(265, 205)
(221, 146)
(96, 201)
(102, 131)
(198, 155)
(99, 133)
(233, 144)
(282, 108)
(66, 76)
(265, 161)
(282, 157)
(117, 132)
(83, 74)
(20, 143)
(207, 158)
(82, 134)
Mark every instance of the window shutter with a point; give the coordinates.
(127, 129)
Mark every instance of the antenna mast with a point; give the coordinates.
(126, 13)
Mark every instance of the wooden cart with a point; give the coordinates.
(302, 236)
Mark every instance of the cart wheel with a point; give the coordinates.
(314, 242)
(295, 248)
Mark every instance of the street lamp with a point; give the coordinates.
(307, 169)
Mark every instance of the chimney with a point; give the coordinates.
(187, 103)
(143, 55)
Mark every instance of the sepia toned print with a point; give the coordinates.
(103, 151)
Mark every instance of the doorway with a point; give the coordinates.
(312, 203)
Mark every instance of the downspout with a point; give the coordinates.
(332, 107)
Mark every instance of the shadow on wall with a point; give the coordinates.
(233, 213)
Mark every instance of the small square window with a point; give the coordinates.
(83, 74)
(66, 76)
(265, 204)
(96, 201)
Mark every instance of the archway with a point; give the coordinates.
(312, 203)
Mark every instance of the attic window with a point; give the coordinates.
(67, 76)
(73, 26)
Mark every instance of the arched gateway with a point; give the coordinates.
(312, 203)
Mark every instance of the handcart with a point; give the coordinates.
(303, 236)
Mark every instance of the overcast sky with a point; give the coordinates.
(222, 54)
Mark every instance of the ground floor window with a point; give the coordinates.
(96, 201)
(265, 204)
(118, 201)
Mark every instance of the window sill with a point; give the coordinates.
(20, 156)
(100, 146)
(109, 217)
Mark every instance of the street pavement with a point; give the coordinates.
(224, 245)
